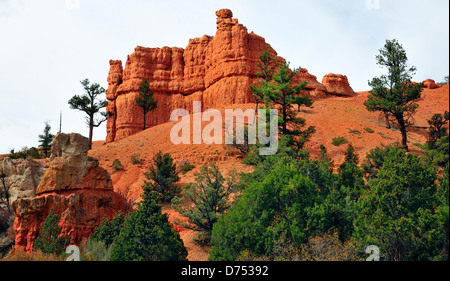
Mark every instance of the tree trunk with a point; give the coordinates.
(91, 130)
(402, 125)
(144, 120)
(386, 117)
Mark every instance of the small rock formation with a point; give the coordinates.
(214, 70)
(430, 84)
(337, 85)
(75, 187)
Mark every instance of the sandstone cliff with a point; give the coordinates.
(75, 187)
(215, 70)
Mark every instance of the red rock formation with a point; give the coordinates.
(75, 187)
(430, 84)
(215, 70)
(337, 85)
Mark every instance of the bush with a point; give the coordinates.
(339, 140)
(96, 251)
(117, 165)
(369, 130)
(147, 235)
(21, 255)
(50, 240)
(135, 159)
(163, 175)
(207, 201)
(187, 168)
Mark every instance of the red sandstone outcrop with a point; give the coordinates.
(430, 84)
(337, 85)
(215, 70)
(75, 187)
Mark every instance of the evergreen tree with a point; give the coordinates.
(46, 139)
(394, 94)
(397, 212)
(50, 240)
(147, 235)
(267, 65)
(145, 99)
(436, 130)
(89, 104)
(350, 174)
(109, 230)
(207, 200)
(284, 94)
(164, 176)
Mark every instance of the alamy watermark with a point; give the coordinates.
(212, 133)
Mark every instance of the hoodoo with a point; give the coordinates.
(214, 70)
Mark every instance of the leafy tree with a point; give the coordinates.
(436, 130)
(46, 139)
(91, 105)
(163, 175)
(207, 200)
(145, 99)
(283, 93)
(50, 240)
(147, 235)
(397, 212)
(393, 93)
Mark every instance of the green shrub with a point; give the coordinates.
(96, 251)
(50, 240)
(135, 159)
(187, 168)
(117, 165)
(339, 140)
(369, 130)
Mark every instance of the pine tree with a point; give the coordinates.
(46, 139)
(90, 105)
(267, 65)
(207, 199)
(145, 99)
(50, 240)
(394, 94)
(284, 94)
(147, 235)
(163, 175)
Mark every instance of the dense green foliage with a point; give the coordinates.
(108, 230)
(45, 140)
(147, 235)
(205, 201)
(163, 176)
(392, 202)
(50, 240)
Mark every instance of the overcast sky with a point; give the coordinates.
(48, 46)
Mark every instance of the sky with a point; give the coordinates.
(48, 46)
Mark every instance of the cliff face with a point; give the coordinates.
(75, 187)
(215, 70)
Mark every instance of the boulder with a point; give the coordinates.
(337, 85)
(75, 187)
